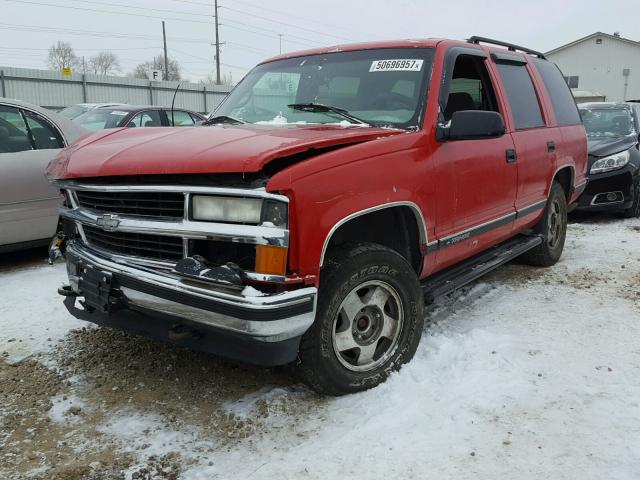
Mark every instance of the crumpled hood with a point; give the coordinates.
(216, 149)
(602, 147)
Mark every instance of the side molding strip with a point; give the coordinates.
(456, 238)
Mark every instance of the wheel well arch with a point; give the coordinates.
(397, 225)
(565, 175)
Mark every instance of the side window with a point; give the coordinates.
(564, 105)
(470, 87)
(521, 95)
(14, 136)
(150, 118)
(180, 118)
(45, 136)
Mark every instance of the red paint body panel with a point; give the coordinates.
(453, 185)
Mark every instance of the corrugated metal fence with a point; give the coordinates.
(53, 90)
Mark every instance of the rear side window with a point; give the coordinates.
(180, 118)
(564, 105)
(44, 135)
(521, 95)
(149, 118)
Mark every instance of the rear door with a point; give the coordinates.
(28, 204)
(535, 143)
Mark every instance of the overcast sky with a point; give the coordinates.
(251, 28)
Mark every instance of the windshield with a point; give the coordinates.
(73, 111)
(384, 87)
(100, 118)
(607, 122)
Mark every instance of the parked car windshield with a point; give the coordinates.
(607, 122)
(100, 118)
(382, 87)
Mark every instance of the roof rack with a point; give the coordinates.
(510, 46)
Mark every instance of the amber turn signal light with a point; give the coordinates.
(271, 260)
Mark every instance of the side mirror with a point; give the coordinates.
(474, 125)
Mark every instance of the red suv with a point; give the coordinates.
(333, 192)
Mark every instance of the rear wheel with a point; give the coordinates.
(553, 228)
(369, 321)
(634, 209)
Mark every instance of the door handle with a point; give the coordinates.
(551, 146)
(511, 155)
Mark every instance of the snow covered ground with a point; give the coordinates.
(526, 374)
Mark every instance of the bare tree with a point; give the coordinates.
(104, 63)
(61, 55)
(227, 79)
(143, 69)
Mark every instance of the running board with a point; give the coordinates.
(459, 275)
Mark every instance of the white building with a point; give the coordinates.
(601, 65)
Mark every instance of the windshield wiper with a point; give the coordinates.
(223, 119)
(318, 107)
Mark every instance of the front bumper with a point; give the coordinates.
(617, 182)
(256, 324)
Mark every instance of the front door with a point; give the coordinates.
(476, 179)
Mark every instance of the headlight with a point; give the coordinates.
(254, 211)
(612, 162)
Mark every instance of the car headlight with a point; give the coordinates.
(254, 211)
(612, 162)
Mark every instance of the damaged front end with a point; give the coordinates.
(208, 261)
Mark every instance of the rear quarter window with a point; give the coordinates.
(564, 106)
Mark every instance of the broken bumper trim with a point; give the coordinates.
(269, 318)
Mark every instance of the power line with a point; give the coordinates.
(269, 33)
(289, 15)
(95, 10)
(162, 10)
(285, 23)
(230, 23)
(207, 60)
(94, 33)
(82, 49)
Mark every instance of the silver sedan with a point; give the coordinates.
(30, 137)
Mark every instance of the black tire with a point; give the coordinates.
(553, 227)
(372, 271)
(634, 210)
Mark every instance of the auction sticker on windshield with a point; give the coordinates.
(399, 65)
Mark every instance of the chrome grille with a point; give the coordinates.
(146, 204)
(157, 247)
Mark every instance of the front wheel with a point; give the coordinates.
(368, 324)
(553, 228)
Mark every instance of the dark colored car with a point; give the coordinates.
(136, 116)
(614, 157)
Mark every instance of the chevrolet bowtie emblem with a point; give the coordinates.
(108, 222)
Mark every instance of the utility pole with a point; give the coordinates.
(280, 35)
(166, 60)
(217, 45)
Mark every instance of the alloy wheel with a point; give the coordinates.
(367, 326)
